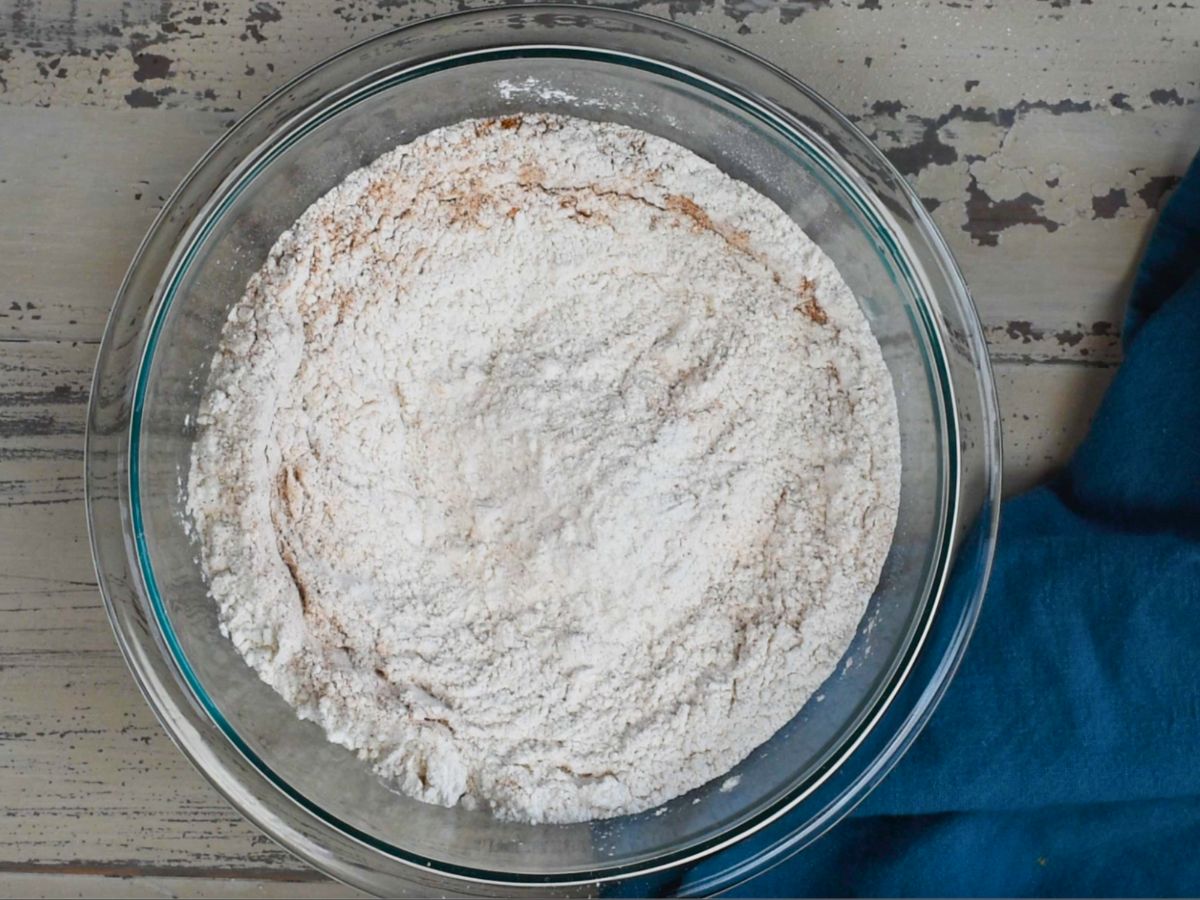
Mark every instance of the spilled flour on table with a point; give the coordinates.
(545, 466)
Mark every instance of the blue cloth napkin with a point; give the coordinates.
(1065, 757)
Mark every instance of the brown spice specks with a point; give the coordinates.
(702, 221)
(808, 302)
(530, 173)
(691, 209)
(579, 213)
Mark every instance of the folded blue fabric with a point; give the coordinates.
(1063, 759)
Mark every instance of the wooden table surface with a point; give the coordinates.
(1043, 135)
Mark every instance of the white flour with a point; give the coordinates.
(545, 466)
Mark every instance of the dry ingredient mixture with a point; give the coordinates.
(547, 467)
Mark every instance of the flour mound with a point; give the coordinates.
(545, 466)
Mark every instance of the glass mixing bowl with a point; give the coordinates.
(317, 799)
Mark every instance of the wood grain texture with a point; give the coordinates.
(60, 886)
(1042, 135)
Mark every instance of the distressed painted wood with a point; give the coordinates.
(1042, 134)
(155, 887)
